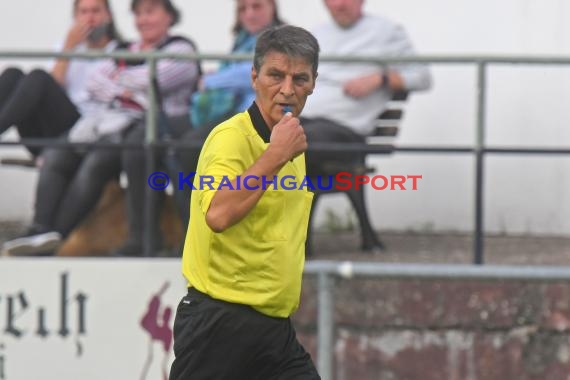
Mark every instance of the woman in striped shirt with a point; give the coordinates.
(71, 181)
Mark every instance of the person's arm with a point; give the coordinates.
(365, 85)
(101, 85)
(229, 206)
(76, 35)
(409, 77)
(171, 73)
(412, 76)
(235, 77)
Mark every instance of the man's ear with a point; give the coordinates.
(253, 77)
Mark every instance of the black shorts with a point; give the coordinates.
(216, 340)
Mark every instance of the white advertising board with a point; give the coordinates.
(89, 319)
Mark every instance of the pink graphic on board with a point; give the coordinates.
(156, 322)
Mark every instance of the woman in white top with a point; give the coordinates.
(71, 181)
(42, 104)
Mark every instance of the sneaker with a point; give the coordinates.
(33, 245)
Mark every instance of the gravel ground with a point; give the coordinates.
(412, 247)
(451, 248)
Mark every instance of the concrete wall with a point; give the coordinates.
(408, 330)
(526, 105)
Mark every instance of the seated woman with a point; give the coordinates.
(43, 105)
(228, 90)
(222, 94)
(71, 181)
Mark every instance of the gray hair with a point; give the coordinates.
(290, 40)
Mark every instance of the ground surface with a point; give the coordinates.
(411, 247)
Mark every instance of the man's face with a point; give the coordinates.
(345, 12)
(282, 81)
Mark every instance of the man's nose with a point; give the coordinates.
(287, 87)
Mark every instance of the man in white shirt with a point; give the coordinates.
(349, 96)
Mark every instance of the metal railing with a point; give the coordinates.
(479, 149)
(328, 272)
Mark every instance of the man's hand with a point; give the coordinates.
(363, 86)
(288, 138)
(230, 206)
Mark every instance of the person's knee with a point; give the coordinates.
(13, 73)
(39, 74)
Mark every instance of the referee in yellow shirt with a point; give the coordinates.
(245, 247)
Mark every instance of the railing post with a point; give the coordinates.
(150, 159)
(325, 326)
(478, 238)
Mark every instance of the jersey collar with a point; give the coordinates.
(258, 123)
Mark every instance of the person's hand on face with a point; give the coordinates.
(77, 34)
(288, 137)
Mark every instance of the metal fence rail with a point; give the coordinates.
(479, 148)
(328, 271)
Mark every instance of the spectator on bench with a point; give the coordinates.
(133, 163)
(41, 105)
(222, 94)
(350, 96)
(233, 79)
(228, 91)
(71, 181)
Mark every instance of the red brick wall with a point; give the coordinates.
(407, 330)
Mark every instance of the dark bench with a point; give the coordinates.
(92, 237)
(386, 129)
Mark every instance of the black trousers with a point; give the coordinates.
(173, 162)
(134, 164)
(216, 340)
(36, 104)
(70, 184)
